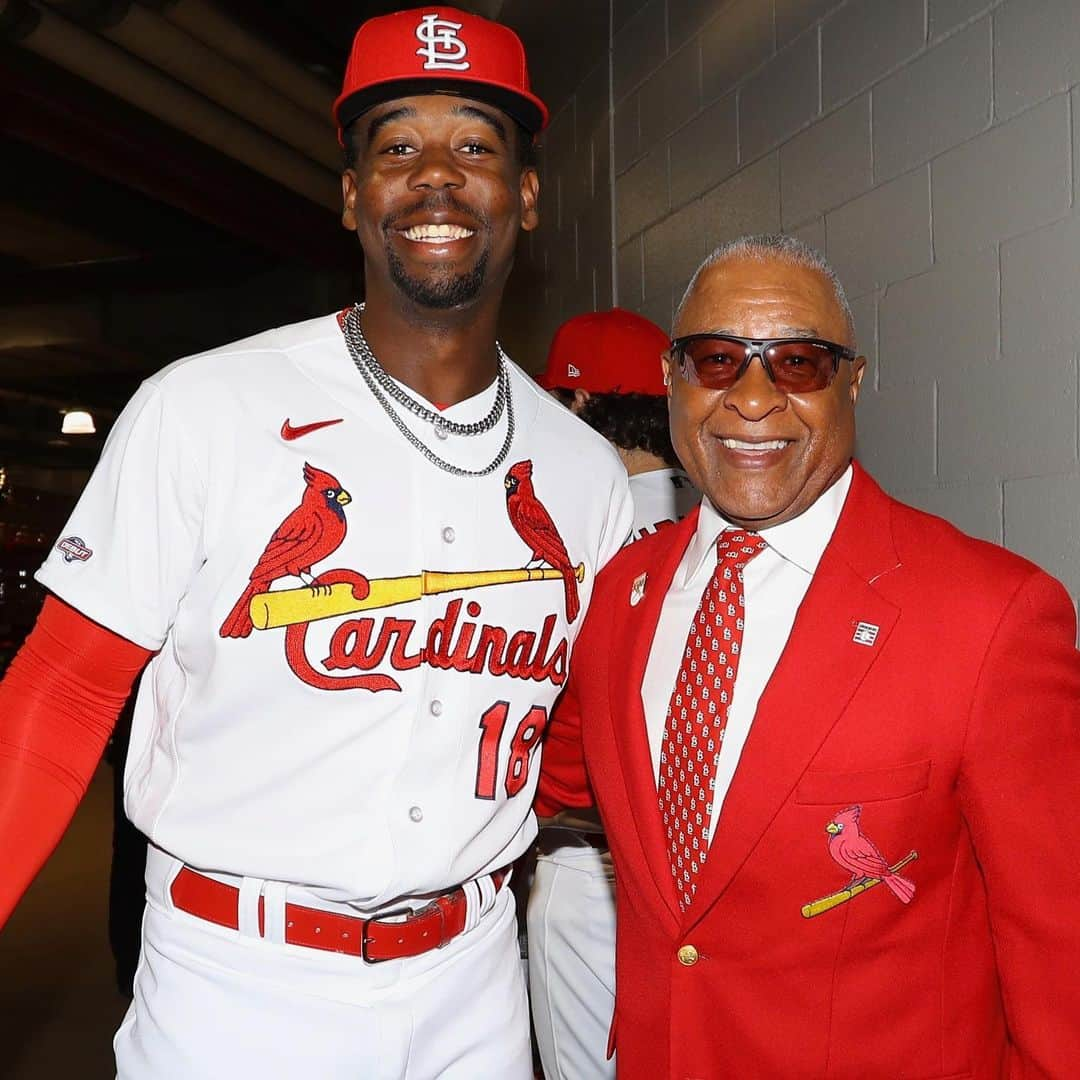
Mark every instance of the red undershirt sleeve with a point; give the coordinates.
(58, 705)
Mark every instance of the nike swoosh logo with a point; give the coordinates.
(288, 432)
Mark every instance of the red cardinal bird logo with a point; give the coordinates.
(534, 525)
(311, 533)
(858, 854)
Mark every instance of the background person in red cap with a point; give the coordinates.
(352, 647)
(605, 366)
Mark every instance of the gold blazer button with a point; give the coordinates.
(688, 955)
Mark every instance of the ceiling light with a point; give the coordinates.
(77, 422)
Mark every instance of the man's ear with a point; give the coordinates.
(580, 399)
(348, 200)
(530, 199)
(665, 364)
(858, 370)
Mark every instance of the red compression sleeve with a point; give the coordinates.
(58, 705)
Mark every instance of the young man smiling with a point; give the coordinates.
(356, 550)
(833, 740)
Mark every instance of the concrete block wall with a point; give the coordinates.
(929, 147)
(565, 266)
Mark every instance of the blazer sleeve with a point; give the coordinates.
(563, 783)
(1019, 787)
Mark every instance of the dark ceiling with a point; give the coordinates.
(169, 182)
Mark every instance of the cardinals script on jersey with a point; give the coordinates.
(382, 639)
(315, 530)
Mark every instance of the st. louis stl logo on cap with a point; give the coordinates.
(441, 46)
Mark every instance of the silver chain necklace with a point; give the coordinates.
(383, 386)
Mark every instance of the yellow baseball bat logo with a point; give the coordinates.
(827, 903)
(287, 607)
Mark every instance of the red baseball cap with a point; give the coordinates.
(438, 50)
(606, 352)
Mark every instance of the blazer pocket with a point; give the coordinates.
(874, 785)
(953, 1076)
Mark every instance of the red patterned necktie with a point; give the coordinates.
(698, 712)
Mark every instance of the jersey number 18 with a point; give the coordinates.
(527, 735)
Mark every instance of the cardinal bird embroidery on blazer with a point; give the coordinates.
(857, 853)
(311, 533)
(534, 525)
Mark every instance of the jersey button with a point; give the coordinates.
(416, 814)
(448, 535)
(688, 955)
(436, 707)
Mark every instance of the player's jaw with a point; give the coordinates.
(438, 252)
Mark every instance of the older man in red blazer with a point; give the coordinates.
(835, 743)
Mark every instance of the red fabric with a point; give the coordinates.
(58, 704)
(457, 50)
(563, 783)
(698, 711)
(432, 927)
(606, 352)
(955, 731)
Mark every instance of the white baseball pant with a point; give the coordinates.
(571, 922)
(214, 1004)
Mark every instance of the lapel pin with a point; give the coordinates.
(865, 633)
(637, 590)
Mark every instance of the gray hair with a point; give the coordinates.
(778, 246)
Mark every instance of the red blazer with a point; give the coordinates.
(931, 679)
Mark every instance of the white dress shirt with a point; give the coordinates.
(774, 585)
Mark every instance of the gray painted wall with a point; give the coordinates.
(929, 148)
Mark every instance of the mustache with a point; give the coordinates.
(437, 203)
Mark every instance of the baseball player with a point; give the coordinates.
(605, 367)
(356, 552)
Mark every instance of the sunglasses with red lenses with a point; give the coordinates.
(795, 365)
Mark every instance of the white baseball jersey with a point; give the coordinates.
(355, 667)
(571, 917)
(661, 498)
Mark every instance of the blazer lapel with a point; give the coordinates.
(818, 673)
(628, 713)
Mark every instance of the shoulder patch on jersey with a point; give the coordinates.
(74, 549)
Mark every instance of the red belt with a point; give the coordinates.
(375, 940)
